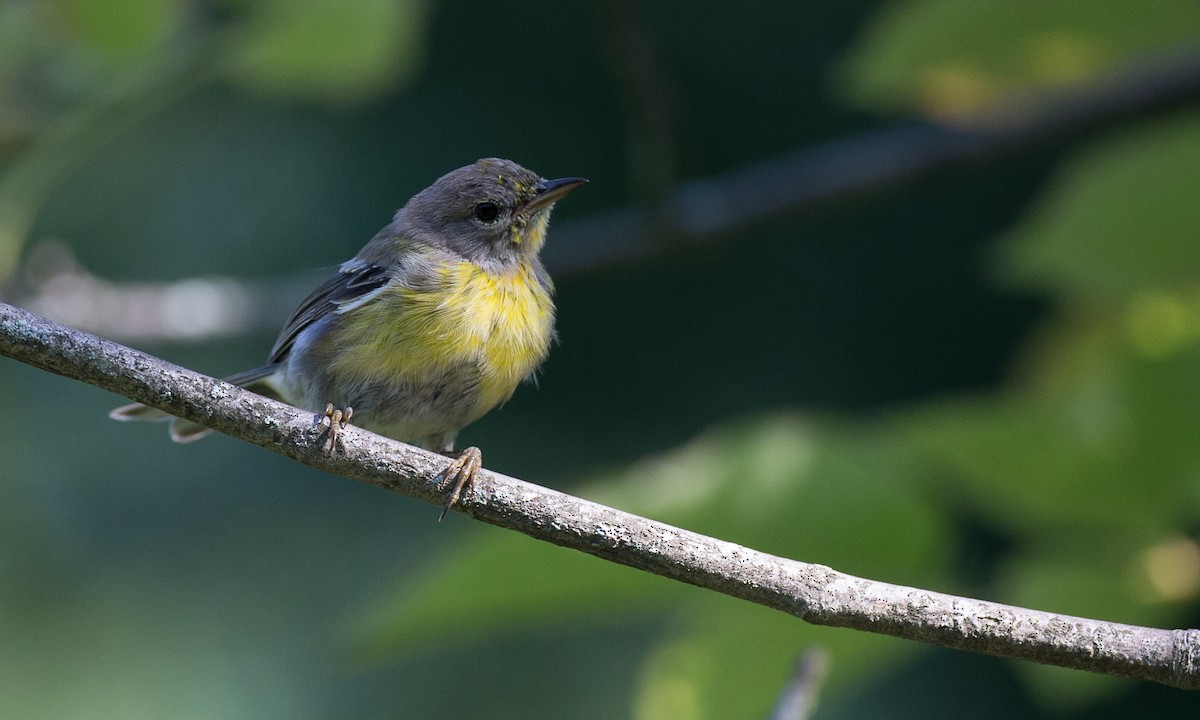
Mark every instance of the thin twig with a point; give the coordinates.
(799, 697)
(814, 593)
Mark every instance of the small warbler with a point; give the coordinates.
(431, 325)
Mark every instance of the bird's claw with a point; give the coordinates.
(334, 420)
(459, 476)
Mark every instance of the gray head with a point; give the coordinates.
(491, 211)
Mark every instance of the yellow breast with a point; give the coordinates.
(501, 324)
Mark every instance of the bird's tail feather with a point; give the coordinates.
(184, 431)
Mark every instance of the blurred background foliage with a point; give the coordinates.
(982, 380)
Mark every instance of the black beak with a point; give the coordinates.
(550, 191)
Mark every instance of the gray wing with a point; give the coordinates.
(355, 282)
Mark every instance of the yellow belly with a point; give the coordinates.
(501, 325)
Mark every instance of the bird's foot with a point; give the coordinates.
(334, 420)
(459, 476)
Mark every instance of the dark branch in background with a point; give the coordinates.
(696, 211)
(814, 593)
(851, 168)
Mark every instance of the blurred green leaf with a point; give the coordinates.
(330, 49)
(1088, 575)
(121, 31)
(948, 58)
(1101, 429)
(777, 484)
(1089, 461)
(729, 661)
(1100, 439)
(501, 583)
(1120, 225)
(1092, 478)
(791, 486)
(1098, 574)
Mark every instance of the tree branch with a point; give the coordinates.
(814, 593)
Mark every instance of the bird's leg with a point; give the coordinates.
(334, 420)
(459, 476)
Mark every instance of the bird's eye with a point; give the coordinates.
(487, 212)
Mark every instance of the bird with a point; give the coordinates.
(434, 323)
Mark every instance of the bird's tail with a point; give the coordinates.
(182, 431)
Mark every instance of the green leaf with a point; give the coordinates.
(121, 30)
(330, 50)
(836, 496)
(948, 58)
(1120, 226)
(1107, 451)
(1098, 576)
(501, 582)
(730, 661)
